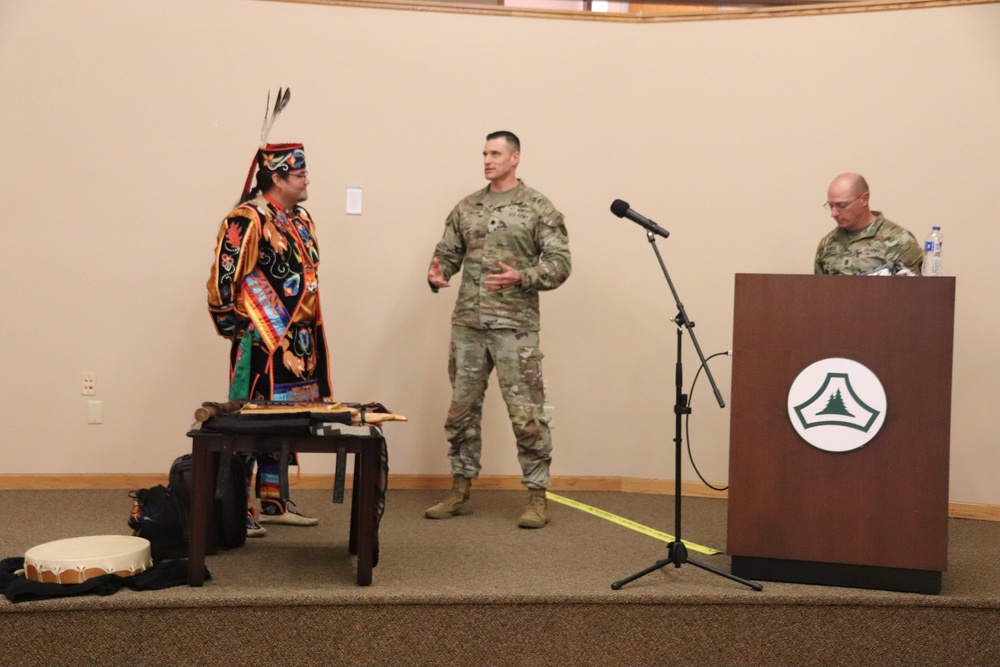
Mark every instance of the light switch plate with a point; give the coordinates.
(354, 201)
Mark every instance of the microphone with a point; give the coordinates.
(622, 210)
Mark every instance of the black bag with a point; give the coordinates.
(158, 516)
(161, 514)
(230, 505)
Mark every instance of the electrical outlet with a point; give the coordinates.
(89, 387)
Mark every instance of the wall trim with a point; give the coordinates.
(128, 481)
(696, 13)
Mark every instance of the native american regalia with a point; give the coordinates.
(263, 295)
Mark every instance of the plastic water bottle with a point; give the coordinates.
(932, 253)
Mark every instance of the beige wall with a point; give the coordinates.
(127, 128)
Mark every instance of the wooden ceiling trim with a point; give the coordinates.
(685, 10)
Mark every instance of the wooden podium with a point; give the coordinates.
(873, 517)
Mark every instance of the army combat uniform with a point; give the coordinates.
(499, 329)
(856, 251)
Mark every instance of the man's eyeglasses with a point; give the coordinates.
(303, 175)
(841, 205)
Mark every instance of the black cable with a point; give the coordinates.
(687, 420)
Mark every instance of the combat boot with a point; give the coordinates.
(536, 515)
(455, 503)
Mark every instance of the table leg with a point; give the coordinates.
(201, 506)
(367, 514)
(352, 544)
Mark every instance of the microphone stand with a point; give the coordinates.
(677, 550)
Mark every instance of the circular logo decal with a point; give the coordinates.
(836, 405)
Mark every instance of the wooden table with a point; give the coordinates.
(206, 448)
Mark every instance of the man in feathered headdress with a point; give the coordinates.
(263, 295)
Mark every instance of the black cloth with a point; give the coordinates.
(282, 423)
(17, 588)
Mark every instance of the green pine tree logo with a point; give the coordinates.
(835, 403)
(835, 406)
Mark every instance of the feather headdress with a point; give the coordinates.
(274, 157)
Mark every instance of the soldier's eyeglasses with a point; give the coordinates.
(841, 205)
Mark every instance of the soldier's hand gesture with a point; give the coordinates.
(508, 277)
(435, 277)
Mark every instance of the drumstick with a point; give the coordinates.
(209, 409)
(378, 418)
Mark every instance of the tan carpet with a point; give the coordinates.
(477, 590)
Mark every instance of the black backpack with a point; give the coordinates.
(158, 517)
(161, 514)
(230, 505)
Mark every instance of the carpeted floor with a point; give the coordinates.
(479, 590)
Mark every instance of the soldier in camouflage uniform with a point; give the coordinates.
(511, 243)
(864, 239)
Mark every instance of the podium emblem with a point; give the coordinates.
(837, 404)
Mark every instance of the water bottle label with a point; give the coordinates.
(928, 246)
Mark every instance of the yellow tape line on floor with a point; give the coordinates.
(614, 518)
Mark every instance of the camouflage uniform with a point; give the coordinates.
(852, 252)
(499, 329)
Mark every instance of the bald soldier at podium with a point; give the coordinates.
(864, 240)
